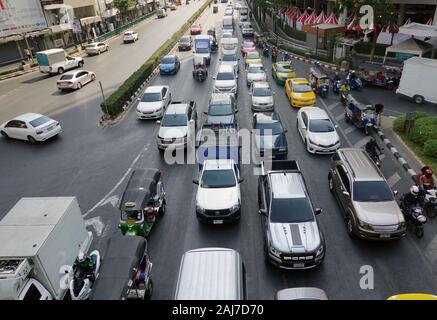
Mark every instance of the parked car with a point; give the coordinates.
(300, 93)
(169, 64)
(185, 43)
(304, 293)
(75, 79)
(130, 36)
(222, 109)
(269, 135)
(292, 237)
(282, 70)
(262, 96)
(255, 72)
(247, 46)
(226, 80)
(96, 48)
(368, 203)
(317, 130)
(232, 60)
(154, 102)
(196, 28)
(32, 127)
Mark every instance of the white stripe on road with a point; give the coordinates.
(361, 143)
(339, 117)
(350, 129)
(333, 105)
(393, 179)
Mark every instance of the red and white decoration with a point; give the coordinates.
(332, 19)
(321, 18)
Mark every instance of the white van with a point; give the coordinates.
(229, 46)
(211, 274)
(55, 61)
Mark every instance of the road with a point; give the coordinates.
(92, 164)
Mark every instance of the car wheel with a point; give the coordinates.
(80, 64)
(149, 291)
(4, 134)
(162, 209)
(346, 118)
(99, 52)
(350, 226)
(107, 48)
(93, 77)
(31, 139)
(78, 86)
(60, 70)
(331, 183)
(418, 99)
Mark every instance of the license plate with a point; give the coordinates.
(384, 236)
(217, 222)
(298, 265)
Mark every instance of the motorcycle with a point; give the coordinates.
(354, 84)
(266, 52)
(430, 203)
(82, 282)
(336, 86)
(343, 96)
(414, 218)
(375, 158)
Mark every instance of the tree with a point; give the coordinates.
(383, 15)
(124, 5)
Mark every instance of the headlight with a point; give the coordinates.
(200, 209)
(402, 225)
(235, 207)
(275, 252)
(319, 251)
(365, 226)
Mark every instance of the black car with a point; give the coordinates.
(222, 109)
(269, 135)
(185, 43)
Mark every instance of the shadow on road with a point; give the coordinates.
(36, 79)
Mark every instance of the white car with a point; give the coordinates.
(229, 12)
(130, 36)
(255, 72)
(154, 102)
(75, 79)
(317, 130)
(96, 48)
(232, 60)
(32, 127)
(218, 196)
(226, 80)
(262, 96)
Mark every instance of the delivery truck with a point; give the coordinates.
(40, 239)
(418, 80)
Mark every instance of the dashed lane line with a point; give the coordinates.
(338, 127)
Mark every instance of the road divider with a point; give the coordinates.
(114, 104)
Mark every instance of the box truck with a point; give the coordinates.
(40, 239)
(418, 80)
(56, 61)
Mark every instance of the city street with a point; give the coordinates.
(92, 164)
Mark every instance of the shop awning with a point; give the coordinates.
(410, 46)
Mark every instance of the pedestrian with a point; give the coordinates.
(379, 108)
(27, 53)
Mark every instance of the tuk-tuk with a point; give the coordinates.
(142, 202)
(361, 115)
(213, 35)
(200, 72)
(380, 76)
(319, 81)
(125, 272)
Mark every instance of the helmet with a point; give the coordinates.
(414, 190)
(428, 173)
(81, 256)
(372, 140)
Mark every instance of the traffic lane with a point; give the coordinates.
(111, 68)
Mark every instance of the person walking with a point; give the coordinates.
(379, 108)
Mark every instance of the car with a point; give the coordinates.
(247, 46)
(175, 131)
(227, 35)
(369, 207)
(185, 43)
(255, 72)
(292, 236)
(282, 70)
(173, 7)
(317, 131)
(232, 60)
(269, 135)
(243, 19)
(196, 28)
(218, 197)
(229, 12)
(262, 96)
(154, 102)
(161, 13)
(252, 57)
(304, 293)
(300, 93)
(32, 127)
(222, 109)
(226, 80)
(413, 296)
(75, 79)
(247, 31)
(130, 36)
(96, 48)
(229, 46)
(169, 64)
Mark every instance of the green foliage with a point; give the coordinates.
(295, 34)
(124, 5)
(430, 148)
(399, 122)
(424, 129)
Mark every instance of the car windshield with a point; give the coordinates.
(174, 120)
(321, 125)
(230, 57)
(300, 88)
(195, 26)
(67, 77)
(372, 191)
(131, 215)
(274, 127)
(252, 55)
(168, 60)
(40, 121)
(262, 92)
(220, 110)
(291, 210)
(255, 69)
(91, 46)
(247, 45)
(151, 97)
(227, 35)
(284, 68)
(218, 179)
(185, 40)
(225, 76)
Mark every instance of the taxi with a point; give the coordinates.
(283, 70)
(300, 93)
(252, 57)
(413, 296)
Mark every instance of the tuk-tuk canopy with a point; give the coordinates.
(199, 60)
(317, 73)
(117, 273)
(140, 187)
(358, 105)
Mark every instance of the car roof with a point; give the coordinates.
(261, 84)
(153, 89)
(221, 97)
(267, 117)
(28, 116)
(299, 81)
(226, 68)
(255, 65)
(315, 113)
(360, 165)
(287, 185)
(74, 72)
(179, 108)
(222, 164)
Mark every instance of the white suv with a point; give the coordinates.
(226, 80)
(218, 196)
(130, 36)
(153, 103)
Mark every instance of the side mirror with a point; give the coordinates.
(395, 192)
(285, 131)
(240, 180)
(304, 127)
(263, 212)
(318, 211)
(158, 121)
(138, 99)
(213, 78)
(236, 77)
(236, 110)
(347, 194)
(195, 181)
(205, 112)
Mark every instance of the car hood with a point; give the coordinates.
(217, 198)
(379, 213)
(304, 95)
(295, 237)
(324, 138)
(149, 106)
(220, 119)
(286, 74)
(268, 142)
(172, 132)
(257, 100)
(224, 83)
(256, 76)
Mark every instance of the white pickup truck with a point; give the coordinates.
(56, 61)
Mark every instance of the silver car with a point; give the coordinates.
(75, 79)
(262, 96)
(96, 48)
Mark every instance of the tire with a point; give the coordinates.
(31, 139)
(350, 226)
(331, 183)
(4, 134)
(162, 209)
(266, 253)
(418, 231)
(93, 77)
(78, 86)
(346, 118)
(60, 70)
(418, 99)
(80, 64)
(149, 291)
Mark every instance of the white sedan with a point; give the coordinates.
(317, 131)
(96, 48)
(255, 72)
(75, 79)
(154, 102)
(32, 127)
(130, 36)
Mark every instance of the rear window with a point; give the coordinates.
(229, 57)
(40, 121)
(372, 191)
(67, 77)
(291, 210)
(225, 76)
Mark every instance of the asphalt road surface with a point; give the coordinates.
(92, 164)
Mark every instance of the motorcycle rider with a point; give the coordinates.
(410, 200)
(419, 174)
(372, 147)
(285, 56)
(274, 55)
(426, 181)
(344, 91)
(336, 77)
(84, 262)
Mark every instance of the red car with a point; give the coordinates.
(196, 29)
(247, 46)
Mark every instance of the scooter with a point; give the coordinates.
(430, 203)
(355, 84)
(81, 284)
(336, 86)
(343, 96)
(266, 52)
(414, 218)
(375, 158)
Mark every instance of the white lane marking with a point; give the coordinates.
(339, 117)
(97, 224)
(338, 127)
(112, 200)
(350, 129)
(381, 157)
(393, 179)
(431, 250)
(361, 142)
(333, 105)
